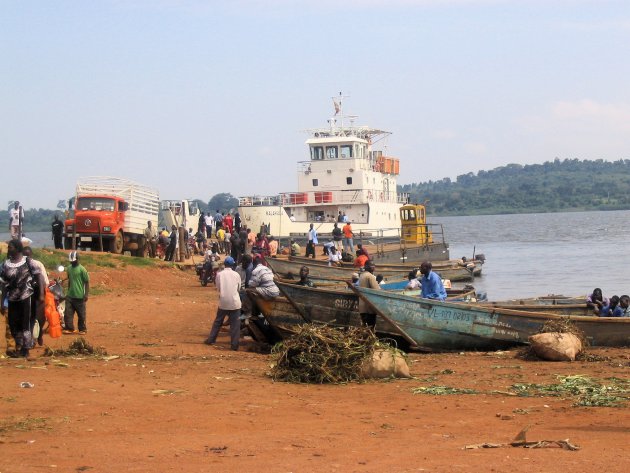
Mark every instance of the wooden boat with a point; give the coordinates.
(291, 269)
(335, 307)
(455, 326)
(563, 309)
(473, 266)
(281, 314)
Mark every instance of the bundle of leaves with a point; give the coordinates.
(323, 354)
(79, 346)
(563, 325)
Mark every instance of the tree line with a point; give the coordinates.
(554, 186)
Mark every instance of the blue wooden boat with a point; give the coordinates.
(455, 326)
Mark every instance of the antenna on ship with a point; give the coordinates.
(338, 104)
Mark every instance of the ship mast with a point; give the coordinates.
(338, 104)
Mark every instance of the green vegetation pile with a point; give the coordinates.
(321, 354)
(79, 346)
(587, 392)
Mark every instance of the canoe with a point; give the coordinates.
(335, 307)
(472, 266)
(455, 326)
(281, 315)
(563, 309)
(291, 269)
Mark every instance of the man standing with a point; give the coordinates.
(218, 221)
(16, 216)
(77, 296)
(312, 241)
(57, 233)
(337, 236)
(150, 236)
(172, 244)
(432, 287)
(209, 223)
(348, 242)
(367, 279)
(228, 283)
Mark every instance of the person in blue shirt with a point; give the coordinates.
(622, 309)
(607, 310)
(432, 287)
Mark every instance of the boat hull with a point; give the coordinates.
(290, 269)
(338, 308)
(454, 326)
(280, 313)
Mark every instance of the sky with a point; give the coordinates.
(196, 98)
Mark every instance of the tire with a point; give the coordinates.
(141, 252)
(67, 243)
(116, 245)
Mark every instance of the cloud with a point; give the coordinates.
(614, 116)
(476, 148)
(579, 115)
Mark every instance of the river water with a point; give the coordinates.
(532, 254)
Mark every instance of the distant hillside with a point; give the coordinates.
(550, 187)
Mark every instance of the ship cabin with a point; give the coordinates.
(414, 227)
(344, 175)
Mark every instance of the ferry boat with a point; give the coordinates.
(346, 178)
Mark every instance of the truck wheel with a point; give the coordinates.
(141, 252)
(116, 245)
(67, 243)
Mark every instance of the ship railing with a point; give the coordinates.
(259, 200)
(386, 236)
(336, 197)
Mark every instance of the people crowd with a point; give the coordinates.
(241, 278)
(616, 306)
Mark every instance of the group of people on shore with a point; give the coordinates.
(603, 307)
(25, 288)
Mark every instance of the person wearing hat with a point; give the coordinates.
(228, 283)
(77, 295)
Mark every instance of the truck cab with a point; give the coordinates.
(96, 218)
(111, 214)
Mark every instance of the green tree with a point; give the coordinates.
(223, 202)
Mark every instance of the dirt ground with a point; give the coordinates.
(168, 402)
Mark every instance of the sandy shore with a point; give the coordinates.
(164, 401)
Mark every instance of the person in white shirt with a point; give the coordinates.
(414, 282)
(16, 215)
(228, 283)
(209, 224)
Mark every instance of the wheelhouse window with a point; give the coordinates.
(349, 181)
(346, 151)
(317, 153)
(315, 182)
(408, 215)
(332, 152)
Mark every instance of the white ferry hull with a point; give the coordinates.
(383, 221)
